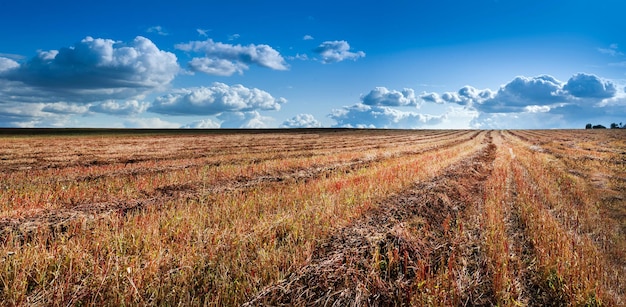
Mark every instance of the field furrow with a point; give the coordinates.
(188, 242)
(313, 217)
(196, 184)
(400, 252)
(567, 232)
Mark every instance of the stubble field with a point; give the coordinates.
(313, 217)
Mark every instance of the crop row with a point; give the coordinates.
(207, 247)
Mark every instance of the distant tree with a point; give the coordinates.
(599, 127)
(614, 126)
(589, 126)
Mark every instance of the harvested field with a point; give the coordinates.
(313, 217)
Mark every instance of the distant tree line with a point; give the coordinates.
(613, 126)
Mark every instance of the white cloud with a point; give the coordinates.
(35, 115)
(546, 94)
(249, 120)
(524, 102)
(381, 96)
(7, 64)
(523, 91)
(431, 97)
(158, 30)
(301, 121)
(544, 102)
(537, 109)
(364, 116)
(468, 96)
(91, 70)
(129, 107)
(153, 122)
(216, 54)
(215, 99)
(202, 124)
(308, 37)
(337, 51)
(589, 86)
(217, 67)
(233, 37)
(65, 108)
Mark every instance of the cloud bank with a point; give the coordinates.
(541, 101)
(364, 116)
(524, 102)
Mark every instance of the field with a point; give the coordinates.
(313, 217)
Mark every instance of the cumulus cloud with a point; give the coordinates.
(112, 107)
(431, 97)
(544, 93)
(216, 56)
(589, 86)
(337, 51)
(364, 116)
(301, 121)
(248, 120)
(381, 96)
(202, 124)
(524, 102)
(545, 102)
(308, 37)
(215, 99)
(94, 69)
(468, 96)
(523, 91)
(7, 64)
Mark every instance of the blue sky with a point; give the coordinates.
(393, 64)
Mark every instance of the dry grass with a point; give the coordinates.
(364, 217)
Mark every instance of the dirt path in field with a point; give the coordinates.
(57, 220)
(417, 235)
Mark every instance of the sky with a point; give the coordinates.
(482, 64)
